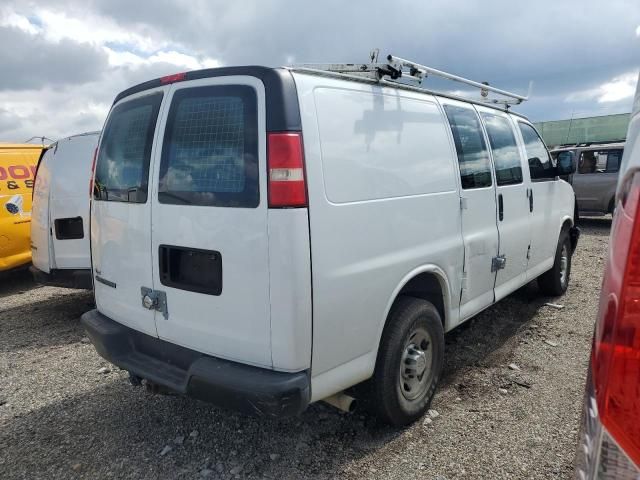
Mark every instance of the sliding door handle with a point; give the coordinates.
(531, 199)
(500, 207)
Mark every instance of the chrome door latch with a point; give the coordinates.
(498, 263)
(155, 300)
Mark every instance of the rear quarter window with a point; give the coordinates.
(210, 148)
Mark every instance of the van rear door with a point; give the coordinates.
(69, 205)
(209, 216)
(121, 210)
(40, 233)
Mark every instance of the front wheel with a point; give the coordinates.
(409, 362)
(556, 281)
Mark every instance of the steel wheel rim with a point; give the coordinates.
(564, 265)
(415, 364)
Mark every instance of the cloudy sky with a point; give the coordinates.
(63, 62)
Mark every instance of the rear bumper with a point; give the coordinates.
(231, 385)
(78, 278)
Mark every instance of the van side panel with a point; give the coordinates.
(383, 201)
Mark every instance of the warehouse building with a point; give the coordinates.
(602, 129)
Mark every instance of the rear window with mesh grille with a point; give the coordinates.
(210, 148)
(122, 168)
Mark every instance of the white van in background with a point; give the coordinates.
(60, 218)
(265, 238)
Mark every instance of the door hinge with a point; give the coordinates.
(463, 203)
(498, 263)
(155, 300)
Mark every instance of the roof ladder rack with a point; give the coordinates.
(397, 68)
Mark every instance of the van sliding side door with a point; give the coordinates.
(513, 215)
(477, 207)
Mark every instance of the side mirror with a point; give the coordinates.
(566, 163)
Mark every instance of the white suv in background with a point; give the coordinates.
(265, 238)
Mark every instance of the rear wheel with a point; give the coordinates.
(409, 362)
(556, 281)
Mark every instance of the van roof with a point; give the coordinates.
(282, 101)
(282, 110)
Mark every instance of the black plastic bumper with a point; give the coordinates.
(79, 278)
(231, 385)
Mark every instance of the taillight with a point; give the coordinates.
(616, 350)
(93, 171)
(176, 77)
(287, 186)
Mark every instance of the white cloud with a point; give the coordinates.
(130, 59)
(66, 113)
(617, 89)
(86, 28)
(12, 19)
(68, 55)
(188, 61)
(133, 48)
(133, 54)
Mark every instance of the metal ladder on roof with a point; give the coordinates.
(401, 72)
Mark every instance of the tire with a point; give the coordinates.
(556, 281)
(400, 398)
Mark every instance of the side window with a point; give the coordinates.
(600, 161)
(473, 157)
(210, 148)
(538, 158)
(122, 168)
(506, 156)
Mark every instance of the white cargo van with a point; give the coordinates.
(60, 218)
(266, 238)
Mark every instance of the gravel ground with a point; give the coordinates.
(61, 418)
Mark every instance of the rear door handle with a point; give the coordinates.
(530, 199)
(500, 207)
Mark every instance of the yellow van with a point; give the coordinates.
(18, 163)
